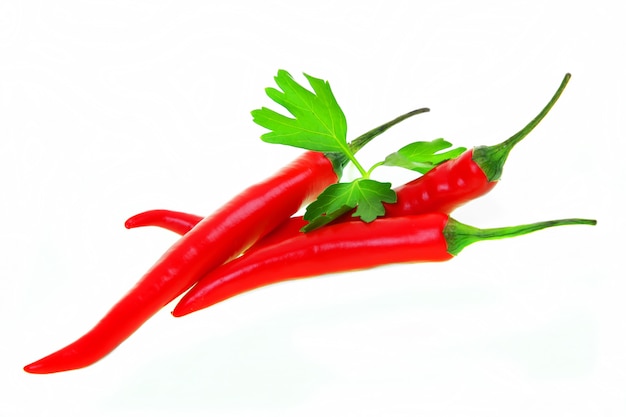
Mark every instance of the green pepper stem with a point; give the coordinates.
(339, 160)
(459, 235)
(491, 159)
(365, 138)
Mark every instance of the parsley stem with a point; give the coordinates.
(369, 172)
(357, 164)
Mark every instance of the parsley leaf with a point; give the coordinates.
(365, 195)
(422, 156)
(318, 123)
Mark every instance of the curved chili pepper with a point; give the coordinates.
(443, 189)
(175, 221)
(181, 223)
(348, 246)
(217, 238)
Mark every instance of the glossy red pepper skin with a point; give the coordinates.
(217, 238)
(341, 247)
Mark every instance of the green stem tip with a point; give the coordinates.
(491, 159)
(459, 235)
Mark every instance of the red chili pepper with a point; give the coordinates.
(344, 247)
(217, 238)
(457, 181)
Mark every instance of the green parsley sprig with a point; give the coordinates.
(319, 124)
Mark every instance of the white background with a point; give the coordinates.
(109, 108)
